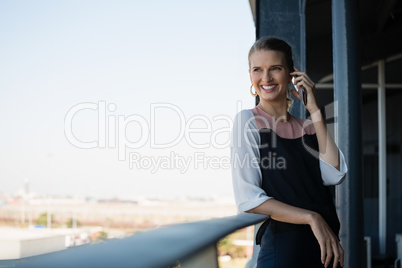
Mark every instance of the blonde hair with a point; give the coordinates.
(276, 44)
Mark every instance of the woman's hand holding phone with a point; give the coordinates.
(305, 89)
(302, 92)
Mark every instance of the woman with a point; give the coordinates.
(282, 165)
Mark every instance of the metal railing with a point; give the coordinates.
(182, 245)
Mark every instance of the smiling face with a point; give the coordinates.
(269, 75)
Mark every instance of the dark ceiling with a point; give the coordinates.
(380, 33)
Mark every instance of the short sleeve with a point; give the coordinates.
(244, 153)
(332, 176)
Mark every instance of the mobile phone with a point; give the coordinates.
(301, 90)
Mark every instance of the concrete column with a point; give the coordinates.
(348, 102)
(382, 159)
(285, 19)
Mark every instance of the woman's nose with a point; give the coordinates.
(267, 77)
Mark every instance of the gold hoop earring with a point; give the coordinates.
(253, 93)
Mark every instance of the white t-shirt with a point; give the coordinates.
(245, 155)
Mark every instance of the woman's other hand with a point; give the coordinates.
(329, 243)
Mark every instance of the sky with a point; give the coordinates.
(121, 98)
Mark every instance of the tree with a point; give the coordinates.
(42, 220)
(70, 223)
(226, 247)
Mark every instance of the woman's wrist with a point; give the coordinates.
(314, 110)
(316, 115)
(313, 218)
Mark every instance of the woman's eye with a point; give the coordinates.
(276, 68)
(257, 70)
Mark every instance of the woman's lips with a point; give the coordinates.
(268, 88)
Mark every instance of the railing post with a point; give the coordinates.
(205, 258)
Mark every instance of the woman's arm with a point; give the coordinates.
(329, 243)
(329, 152)
(245, 155)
